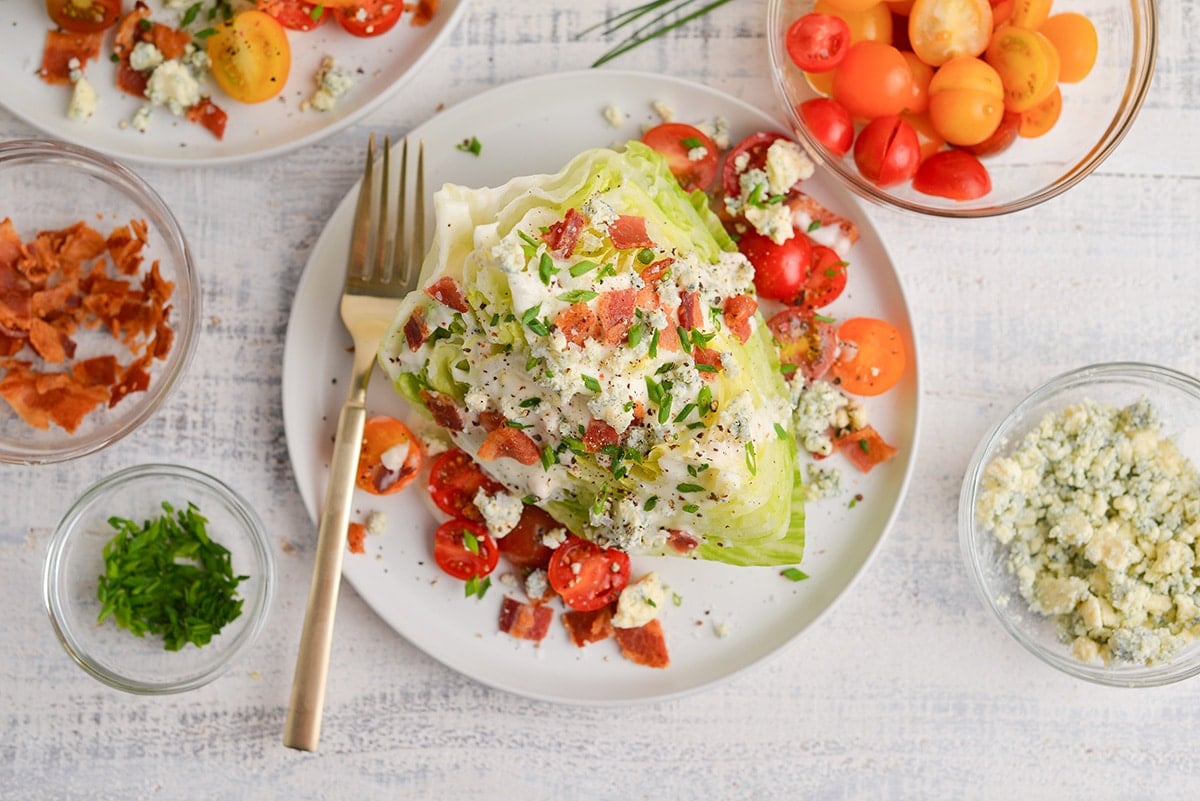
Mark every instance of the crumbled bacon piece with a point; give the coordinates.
(563, 236)
(691, 310)
(422, 11)
(446, 291)
(491, 420)
(578, 323)
(816, 211)
(738, 311)
(655, 271)
(210, 115)
(709, 358)
(864, 447)
(443, 408)
(525, 621)
(356, 537)
(628, 232)
(615, 310)
(64, 48)
(644, 645)
(599, 435)
(509, 443)
(682, 541)
(415, 330)
(588, 627)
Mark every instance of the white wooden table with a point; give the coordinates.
(906, 689)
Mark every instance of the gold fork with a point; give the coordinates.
(383, 266)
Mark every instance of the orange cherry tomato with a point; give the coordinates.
(872, 23)
(1001, 11)
(873, 80)
(1027, 63)
(922, 74)
(1074, 37)
(250, 56)
(1030, 13)
(389, 458)
(966, 100)
(872, 358)
(851, 5)
(1042, 117)
(940, 30)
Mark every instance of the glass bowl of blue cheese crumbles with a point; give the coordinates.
(1079, 520)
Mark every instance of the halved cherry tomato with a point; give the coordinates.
(1027, 63)
(1001, 139)
(384, 439)
(369, 17)
(871, 356)
(586, 575)
(465, 549)
(297, 15)
(887, 151)
(455, 479)
(817, 42)
(829, 122)
(808, 343)
(1042, 117)
(955, 174)
(1001, 11)
(851, 5)
(84, 16)
(523, 546)
(250, 56)
(691, 154)
(826, 278)
(940, 30)
(1074, 37)
(873, 80)
(1030, 13)
(779, 270)
(748, 154)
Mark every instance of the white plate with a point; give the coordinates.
(381, 65)
(531, 126)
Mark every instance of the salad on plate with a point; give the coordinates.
(629, 358)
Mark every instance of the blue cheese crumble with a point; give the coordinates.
(1100, 513)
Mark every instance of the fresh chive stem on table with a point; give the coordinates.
(652, 29)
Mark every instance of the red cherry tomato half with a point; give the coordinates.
(871, 358)
(464, 549)
(817, 42)
(454, 480)
(829, 122)
(955, 174)
(804, 341)
(386, 439)
(296, 15)
(887, 151)
(826, 278)
(523, 546)
(84, 16)
(691, 154)
(369, 17)
(779, 270)
(748, 154)
(587, 576)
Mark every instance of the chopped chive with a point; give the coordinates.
(653, 350)
(814, 225)
(822, 318)
(549, 457)
(582, 267)
(650, 503)
(546, 268)
(691, 508)
(780, 431)
(687, 409)
(471, 145)
(578, 296)
(793, 573)
(688, 487)
(751, 459)
(591, 383)
(470, 541)
(664, 410)
(645, 255)
(529, 403)
(706, 368)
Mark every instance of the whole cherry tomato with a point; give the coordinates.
(780, 270)
(887, 151)
(829, 122)
(873, 80)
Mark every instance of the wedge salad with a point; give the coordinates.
(628, 358)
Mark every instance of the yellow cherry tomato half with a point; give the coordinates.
(940, 30)
(873, 22)
(1041, 118)
(1030, 13)
(1074, 37)
(1028, 65)
(250, 56)
(966, 101)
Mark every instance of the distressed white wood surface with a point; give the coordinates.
(907, 689)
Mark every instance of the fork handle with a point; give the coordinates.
(303, 727)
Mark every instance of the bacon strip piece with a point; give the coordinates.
(599, 435)
(588, 627)
(628, 232)
(445, 412)
(563, 236)
(509, 443)
(578, 323)
(447, 292)
(644, 645)
(615, 310)
(525, 621)
(738, 311)
(62, 48)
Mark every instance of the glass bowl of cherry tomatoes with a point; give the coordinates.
(961, 108)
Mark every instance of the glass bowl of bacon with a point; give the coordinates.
(962, 108)
(98, 301)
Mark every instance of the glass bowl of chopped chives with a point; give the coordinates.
(1079, 521)
(157, 577)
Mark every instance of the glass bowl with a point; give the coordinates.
(48, 186)
(1114, 575)
(1097, 112)
(76, 559)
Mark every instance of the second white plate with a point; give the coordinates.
(729, 618)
